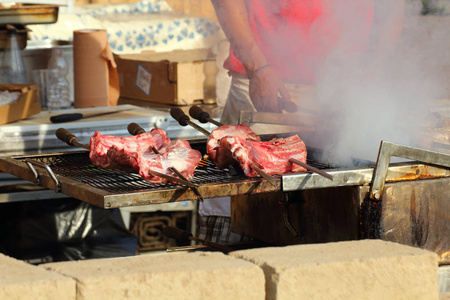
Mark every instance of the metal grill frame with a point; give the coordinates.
(68, 180)
(218, 183)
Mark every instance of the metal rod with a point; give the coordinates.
(30, 164)
(172, 178)
(311, 168)
(199, 128)
(186, 248)
(178, 234)
(214, 122)
(263, 174)
(184, 120)
(179, 174)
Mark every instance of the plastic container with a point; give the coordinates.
(58, 89)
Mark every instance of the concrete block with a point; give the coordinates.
(444, 296)
(366, 269)
(198, 275)
(19, 280)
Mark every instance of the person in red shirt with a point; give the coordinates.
(277, 42)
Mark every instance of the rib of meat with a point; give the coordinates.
(107, 151)
(121, 154)
(223, 159)
(272, 156)
(177, 154)
(134, 153)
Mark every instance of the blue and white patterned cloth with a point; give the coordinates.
(149, 25)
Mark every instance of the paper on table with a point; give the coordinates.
(96, 81)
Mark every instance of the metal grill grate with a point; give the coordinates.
(78, 166)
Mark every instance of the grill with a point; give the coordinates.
(73, 174)
(285, 211)
(77, 166)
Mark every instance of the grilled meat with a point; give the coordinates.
(224, 158)
(121, 147)
(272, 157)
(135, 154)
(177, 154)
(238, 144)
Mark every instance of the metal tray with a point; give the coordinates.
(29, 14)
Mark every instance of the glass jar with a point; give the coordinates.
(12, 68)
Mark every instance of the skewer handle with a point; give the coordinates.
(135, 129)
(198, 113)
(67, 137)
(179, 115)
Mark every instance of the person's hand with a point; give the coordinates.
(264, 88)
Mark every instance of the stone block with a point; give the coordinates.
(365, 269)
(198, 275)
(19, 280)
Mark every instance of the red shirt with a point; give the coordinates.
(298, 36)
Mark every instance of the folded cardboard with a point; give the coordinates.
(26, 105)
(175, 78)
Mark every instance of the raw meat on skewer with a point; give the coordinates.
(238, 144)
(101, 144)
(273, 157)
(177, 154)
(135, 153)
(222, 159)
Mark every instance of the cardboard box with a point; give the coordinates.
(175, 78)
(27, 105)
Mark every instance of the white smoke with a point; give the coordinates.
(380, 99)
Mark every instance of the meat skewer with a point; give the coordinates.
(311, 168)
(184, 120)
(203, 117)
(135, 129)
(199, 114)
(69, 138)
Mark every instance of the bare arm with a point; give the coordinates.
(265, 83)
